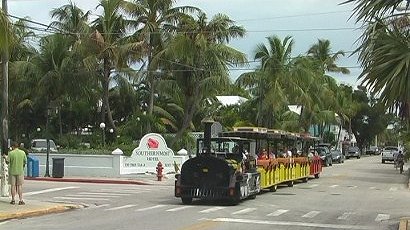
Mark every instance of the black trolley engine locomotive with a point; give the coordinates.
(219, 174)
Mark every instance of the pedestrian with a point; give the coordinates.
(17, 160)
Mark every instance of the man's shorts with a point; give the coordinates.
(16, 180)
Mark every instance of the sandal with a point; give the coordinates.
(12, 202)
(21, 202)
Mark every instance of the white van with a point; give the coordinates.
(40, 145)
(388, 153)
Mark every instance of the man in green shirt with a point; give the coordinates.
(17, 160)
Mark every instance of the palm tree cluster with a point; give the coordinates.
(151, 66)
(385, 51)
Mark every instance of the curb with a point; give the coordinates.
(404, 223)
(80, 180)
(38, 212)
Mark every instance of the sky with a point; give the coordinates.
(305, 20)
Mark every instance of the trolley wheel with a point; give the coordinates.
(317, 175)
(252, 197)
(383, 161)
(305, 180)
(290, 183)
(274, 188)
(186, 200)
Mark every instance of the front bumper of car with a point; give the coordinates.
(352, 154)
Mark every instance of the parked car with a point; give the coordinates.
(325, 155)
(337, 156)
(353, 151)
(40, 145)
(372, 150)
(388, 153)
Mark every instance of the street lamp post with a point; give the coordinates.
(102, 126)
(47, 174)
(140, 125)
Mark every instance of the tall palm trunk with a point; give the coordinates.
(60, 121)
(151, 81)
(105, 85)
(190, 109)
(338, 136)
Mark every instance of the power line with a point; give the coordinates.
(59, 31)
(292, 16)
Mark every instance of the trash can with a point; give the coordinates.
(33, 166)
(29, 167)
(58, 167)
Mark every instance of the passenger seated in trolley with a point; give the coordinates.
(263, 155)
(272, 155)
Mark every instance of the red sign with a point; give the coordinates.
(152, 143)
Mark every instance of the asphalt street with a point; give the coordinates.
(359, 194)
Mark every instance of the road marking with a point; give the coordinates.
(125, 190)
(311, 214)
(243, 211)
(334, 186)
(78, 198)
(121, 207)
(352, 186)
(48, 190)
(372, 188)
(289, 223)
(345, 215)
(104, 193)
(278, 212)
(149, 208)
(203, 224)
(100, 196)
(393, 189)
(4, 222)
(178, 208)
(214, 209)
(382, 217)
(313, 185)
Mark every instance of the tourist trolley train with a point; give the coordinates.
(228, 167)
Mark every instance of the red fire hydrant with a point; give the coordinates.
(159, 171)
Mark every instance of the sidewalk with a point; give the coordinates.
(31, 208)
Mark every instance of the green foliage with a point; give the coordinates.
(186, 141)
(69, 141)
(369, 120)
(329, 137)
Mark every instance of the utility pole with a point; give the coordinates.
(5, 110)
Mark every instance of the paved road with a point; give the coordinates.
(359, 194)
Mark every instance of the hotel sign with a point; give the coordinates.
(151, 150)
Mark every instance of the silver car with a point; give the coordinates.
(353, 151)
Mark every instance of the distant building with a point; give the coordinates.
(231, 100)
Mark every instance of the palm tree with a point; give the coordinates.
(200, 59)
(71, 20)
(266, 83)
(321, 52)
(5, 30)
(111, 47)
(384, 52)
(154, 21)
